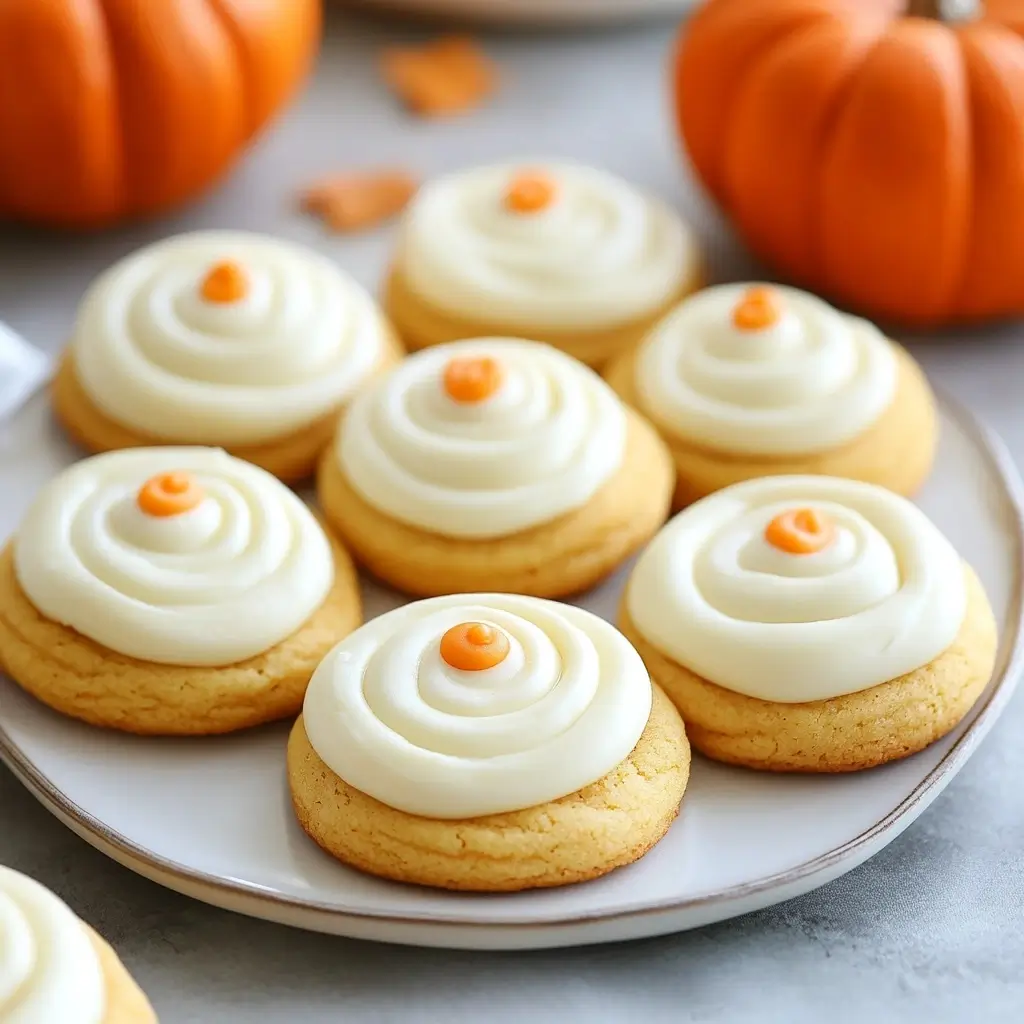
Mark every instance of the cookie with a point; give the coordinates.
(171, 591)
(542, 486)
(126, 1003)
(556, 252)
(503, 743)
(226, 339)
(55, 967)
(806, 624)
(743, 387)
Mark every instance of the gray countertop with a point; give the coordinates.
(932, 929)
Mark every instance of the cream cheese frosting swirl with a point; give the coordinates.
(160, 349)
(567, 701)
(49, 970)
(539, 444)
(803, 379)
(210, 562)
(598, 254)
(870, 590)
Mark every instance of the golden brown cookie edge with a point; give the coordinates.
(556, 559)
(421, 325)
(539, 847)
(290, 458)
(87, 681)
(835, 735)
(896, 452)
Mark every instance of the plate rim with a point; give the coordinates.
(166, 872)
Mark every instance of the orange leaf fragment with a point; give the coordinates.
(448, 76)
(352, 202)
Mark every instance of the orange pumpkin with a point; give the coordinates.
(118, 108)
(871, 152)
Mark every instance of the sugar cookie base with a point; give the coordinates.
(126, 1003)
(83, 679)
(844, 734)
(420, 324)
(896, 452)
(290, 458)
(612, 822)
(558, 558)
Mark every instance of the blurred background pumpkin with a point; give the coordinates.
(112, 109)
(872, 150)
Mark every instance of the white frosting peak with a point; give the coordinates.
(540, 446)
(216, 584)
(392, 718)
(49, 970)
(883, 598)
(812, 380)
(155, 355)
(600, 254)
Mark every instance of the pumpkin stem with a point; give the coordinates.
(949, 11)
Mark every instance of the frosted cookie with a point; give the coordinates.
(494, 464)
(486, 742)
(554, 252)
(171, 591)
(228, 339)
(810, 624)
(748, 381)
(54, 969)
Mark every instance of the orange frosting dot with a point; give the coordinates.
(472, 379)
(759, 308)
(170, 494)
(801, 531)
(474, 646)
(225, 282)
(530, 192)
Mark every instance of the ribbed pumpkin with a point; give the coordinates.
(868, 148)
(117, 108)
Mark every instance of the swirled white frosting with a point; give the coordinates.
(541, 446)
(599, 255)
(49, 970)
(885, 597)
(813, 380)
(157, 357)
(222, 582)
(390, 717)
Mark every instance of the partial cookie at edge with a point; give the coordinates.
(126, 1003)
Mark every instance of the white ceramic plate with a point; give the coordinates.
(211, 818)
(536, 12)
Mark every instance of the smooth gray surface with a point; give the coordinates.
(932, 929)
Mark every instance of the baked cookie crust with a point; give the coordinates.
(896, 452)
(843, 734)
(606, 825)
(290, 458)
(83, 679)
(420, 324)
(555, 559)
